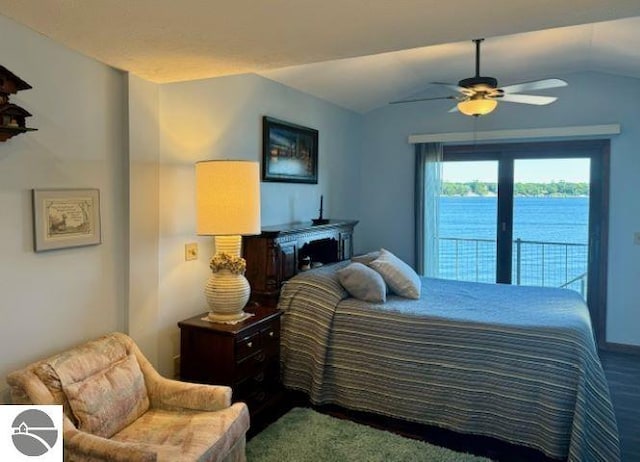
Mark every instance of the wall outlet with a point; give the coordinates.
(191, 251)
(636, 238)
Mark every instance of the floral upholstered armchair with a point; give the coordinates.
(118, 408)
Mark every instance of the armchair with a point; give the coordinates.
(118, 408)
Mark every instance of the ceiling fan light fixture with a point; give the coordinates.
(477, 106)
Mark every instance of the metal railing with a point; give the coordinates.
(535, 263)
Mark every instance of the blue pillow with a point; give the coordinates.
(363, 283)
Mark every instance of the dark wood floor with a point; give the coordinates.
(622, 371)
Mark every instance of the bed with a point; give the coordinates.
(511, 362)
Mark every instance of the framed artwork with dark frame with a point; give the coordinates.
(289, 152)
(65, 218)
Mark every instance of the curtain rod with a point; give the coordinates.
(490, 135)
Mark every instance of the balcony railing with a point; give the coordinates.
(535, 263)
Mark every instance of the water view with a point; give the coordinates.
(550, 240)
(550, 224)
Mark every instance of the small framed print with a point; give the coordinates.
(64, 218)
(289, 152)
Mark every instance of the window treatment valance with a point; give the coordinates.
(517, 134)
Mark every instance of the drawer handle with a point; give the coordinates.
(259, 378)
(271, 334)
(260, 357)
(249, 344)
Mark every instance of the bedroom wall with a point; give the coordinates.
(387, 195)
(222, 119)
(143, 191)
(53, 300)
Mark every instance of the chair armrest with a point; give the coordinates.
(79, 445)
(173, 394)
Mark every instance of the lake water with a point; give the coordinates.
(555, 219)
(544, 224)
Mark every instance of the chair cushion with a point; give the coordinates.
(108, 401)
(188, 434)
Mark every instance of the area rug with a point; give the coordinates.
(305, 435)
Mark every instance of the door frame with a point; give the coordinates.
(598, 151)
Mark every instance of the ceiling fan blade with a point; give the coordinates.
(528, 99)
(452, 87)
(534, 85)
(415, 100)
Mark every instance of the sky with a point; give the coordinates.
(525, 171)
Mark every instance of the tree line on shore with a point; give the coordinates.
(481, 188)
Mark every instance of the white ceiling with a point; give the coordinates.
(169, 40)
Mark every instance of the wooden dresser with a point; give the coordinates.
(244, 356)
(278, 253)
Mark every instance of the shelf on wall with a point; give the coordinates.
(12, 116)
(8, 132)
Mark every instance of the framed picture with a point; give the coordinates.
(289, 152)
(65, 218)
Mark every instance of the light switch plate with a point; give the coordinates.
(191, 251)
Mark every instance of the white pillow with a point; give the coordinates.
(363, 283)
(400, 277)
(366, 258)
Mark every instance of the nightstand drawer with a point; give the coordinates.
(248, 345)
(271, 337)
(251, 365)
(257, 388)
(267, 339)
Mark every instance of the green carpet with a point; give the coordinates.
(305, 435)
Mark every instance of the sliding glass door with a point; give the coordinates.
(468, 211)
(551, 223)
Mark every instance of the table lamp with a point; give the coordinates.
(227, 207)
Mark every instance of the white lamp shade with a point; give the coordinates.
(227, 197)
(477, 106)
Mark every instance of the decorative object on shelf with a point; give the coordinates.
(65, 218)
(320, 220)
(289, 152)
(12, 116)
(227, 206)
(305, 263)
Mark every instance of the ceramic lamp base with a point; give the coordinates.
(227, 294)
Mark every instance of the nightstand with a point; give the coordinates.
(244, 356)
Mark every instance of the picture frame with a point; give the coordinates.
(289, 152)
(64, 218)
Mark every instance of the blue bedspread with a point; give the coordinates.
(515, 363)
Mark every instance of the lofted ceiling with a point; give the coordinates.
(365, 83)
(359, 54)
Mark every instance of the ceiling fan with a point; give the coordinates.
(479, 95)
